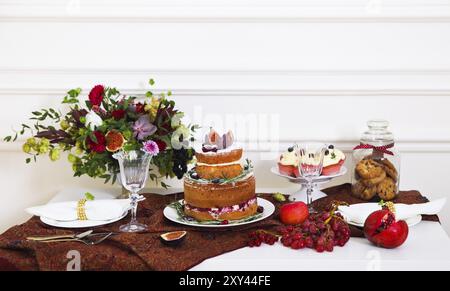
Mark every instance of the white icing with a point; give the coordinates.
(221, 165)
(312, 161)
(227, 150)
(328, 160)
(290, 159)
(203, 182)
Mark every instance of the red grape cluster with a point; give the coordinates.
(260, 236)
(322, 232)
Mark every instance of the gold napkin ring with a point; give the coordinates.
(81, 211)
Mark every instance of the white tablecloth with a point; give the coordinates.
(427, 248)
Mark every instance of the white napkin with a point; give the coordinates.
(359, 212)
(98, 210)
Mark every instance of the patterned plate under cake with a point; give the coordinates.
(175, 214)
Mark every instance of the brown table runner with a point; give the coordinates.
(144, 251)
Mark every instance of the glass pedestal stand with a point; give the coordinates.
(300, 195)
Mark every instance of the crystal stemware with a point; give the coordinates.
(311, 156)
(134, 166)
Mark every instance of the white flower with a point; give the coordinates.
(180, 138)
(176, 119)
(93, 120)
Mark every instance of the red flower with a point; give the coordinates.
(118, 114)
(96, 95)
(140, 108)
(100, 145)
(161, 145)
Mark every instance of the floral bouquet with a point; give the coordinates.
(91, 131)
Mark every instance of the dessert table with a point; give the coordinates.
(427, 247)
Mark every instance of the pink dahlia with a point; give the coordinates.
(151, 147)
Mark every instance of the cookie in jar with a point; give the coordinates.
(376, 164)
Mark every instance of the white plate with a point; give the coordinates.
(79, 223)
(319, 179)
(171, 214)
(368, 208)
(410, 221)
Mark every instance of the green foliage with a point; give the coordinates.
(72, 96)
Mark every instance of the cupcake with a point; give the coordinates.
(289, 162)
(332, 161)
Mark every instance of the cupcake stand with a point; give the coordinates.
(300, 195)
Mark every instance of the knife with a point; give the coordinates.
(69, 236)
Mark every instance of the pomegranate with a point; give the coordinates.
(383, 230)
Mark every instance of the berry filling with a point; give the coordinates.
(218, 211)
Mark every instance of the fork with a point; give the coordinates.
(86, 241)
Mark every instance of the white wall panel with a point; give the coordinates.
(226, 46)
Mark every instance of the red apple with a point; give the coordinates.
(294, 213)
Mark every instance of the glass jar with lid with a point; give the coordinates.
(376, 174)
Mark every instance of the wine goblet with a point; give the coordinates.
(311, 156)
(134, 166)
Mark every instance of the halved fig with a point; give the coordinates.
(213, 136)
(114, 141)
(228, 139)
(219, 143)
(173, 238)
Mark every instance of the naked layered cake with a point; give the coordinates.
(221, 186)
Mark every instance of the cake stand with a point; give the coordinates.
(301, 194)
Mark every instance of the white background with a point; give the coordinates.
(302, 69)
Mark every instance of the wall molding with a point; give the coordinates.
(225, 11)
(28, 92)
(222, 82)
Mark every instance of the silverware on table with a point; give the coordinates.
(87, 240)
(61, 236)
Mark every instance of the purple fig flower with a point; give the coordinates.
(143, 128)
